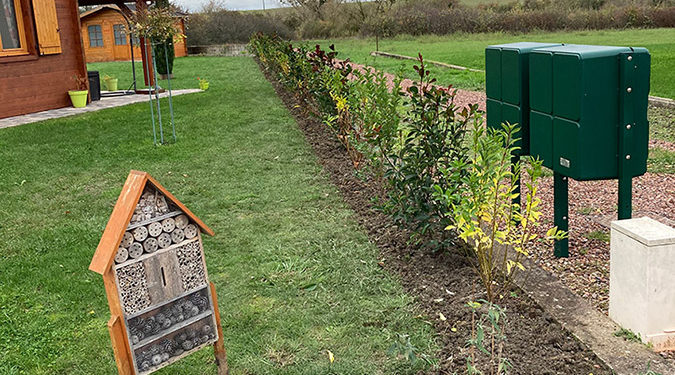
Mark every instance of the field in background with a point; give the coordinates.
(468, 50)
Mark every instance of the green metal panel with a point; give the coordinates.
(541, 81)
(635, 140)
(507, 81)
(566, 148)
(494, 113)
(512, 76)
(567, 78)
(493, 73)
(514, 115)
(586, 92)
(541, 137)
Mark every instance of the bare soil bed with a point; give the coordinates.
(443, 282)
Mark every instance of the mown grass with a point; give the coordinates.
(468, 50)
(295, 274)
(661, 127)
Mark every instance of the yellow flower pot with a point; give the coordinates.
(78, 98)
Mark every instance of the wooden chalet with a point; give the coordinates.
(105, 39)
(41, 52)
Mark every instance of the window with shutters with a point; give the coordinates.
(95, 36)
(12, 31)
(120, 35)
(46, 27)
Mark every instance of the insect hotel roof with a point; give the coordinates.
(121, 217)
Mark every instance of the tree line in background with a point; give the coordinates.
(306, 19)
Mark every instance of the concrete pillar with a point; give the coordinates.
(642, 280)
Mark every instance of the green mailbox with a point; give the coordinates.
(578, 96)
(582, 110)
(506, 87)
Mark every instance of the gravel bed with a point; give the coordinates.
(593, 205)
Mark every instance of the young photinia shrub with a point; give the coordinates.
(432, 145)
(482, 209)
(374, 103)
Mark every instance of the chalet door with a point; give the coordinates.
(120, 47)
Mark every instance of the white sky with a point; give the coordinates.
(195, 5)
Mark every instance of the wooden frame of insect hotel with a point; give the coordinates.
(162, 305)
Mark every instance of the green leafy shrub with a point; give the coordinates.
(374, 105)
(482, 209)
(432, 141)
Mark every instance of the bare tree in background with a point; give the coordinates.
(315, 7)
(374, 14)
(213, 6)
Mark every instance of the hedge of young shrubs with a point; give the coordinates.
(443, 175)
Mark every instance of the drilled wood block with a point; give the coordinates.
(164, 240)
(122, 255)
(168, 225)
(136, 250)
(191, 231)
(177, 236)
(155, 229)
(182, 221)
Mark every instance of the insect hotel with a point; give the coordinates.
(163, 307)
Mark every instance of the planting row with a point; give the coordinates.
(443, 174)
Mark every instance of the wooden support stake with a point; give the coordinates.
(219, 346)
(120, 346)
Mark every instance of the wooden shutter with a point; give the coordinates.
(47, 25)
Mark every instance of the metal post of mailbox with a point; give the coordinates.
(560, 213)
(626, 130)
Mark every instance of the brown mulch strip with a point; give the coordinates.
(443, 282)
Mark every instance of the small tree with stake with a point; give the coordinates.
(157, 25)
(164, 49)
(374, 15)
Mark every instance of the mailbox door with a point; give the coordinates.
(567, 86)
(567, 153)
(512, 76)
(541, 82)
(541, 137)
(513, 115)
(493, 73)
(494, 113)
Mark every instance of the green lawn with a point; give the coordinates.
(296, 275)
(468, 50)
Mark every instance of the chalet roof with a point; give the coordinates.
(131, 6)
(121, 217)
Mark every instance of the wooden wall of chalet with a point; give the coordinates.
(33, 83)
(106, 18)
